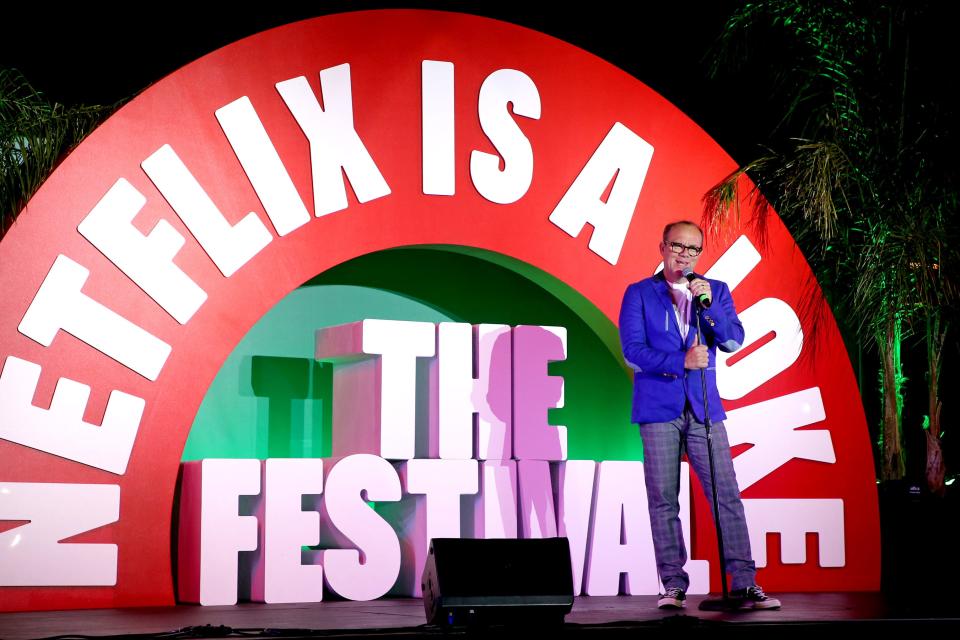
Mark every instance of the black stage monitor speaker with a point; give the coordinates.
(467, 581)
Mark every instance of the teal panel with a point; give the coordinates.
(271, 399)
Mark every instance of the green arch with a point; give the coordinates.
(271, 399)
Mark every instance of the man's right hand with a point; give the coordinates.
(698, 357)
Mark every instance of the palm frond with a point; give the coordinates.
(34, 135)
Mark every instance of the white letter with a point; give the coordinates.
(574, 481)
(621, 541)
(211, 533)
(771, 427)
(334, 143)
(147, 260)
(439, 168)
(279, 575)
(398, 343)
(735, 263)
(793, 519)
(61, 430)
(498, 91)
(442, 482)
(461, 393)
(753, 369)
(263, 166)
(31, 554)
(351, 482)
(60, 304)
(230, 247)
(625, 155)
(431, 508)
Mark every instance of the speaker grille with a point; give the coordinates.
(500, 578)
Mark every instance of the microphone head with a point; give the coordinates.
(703, 298)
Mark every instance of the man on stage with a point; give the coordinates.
(660, 342)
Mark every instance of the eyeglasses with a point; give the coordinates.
(678, 247)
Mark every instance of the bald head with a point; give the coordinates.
(667, 229)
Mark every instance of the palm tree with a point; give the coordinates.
(34, 135)
(852, 168)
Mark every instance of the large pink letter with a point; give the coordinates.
(495, 508)
(534, 392)
(574, 482)
(538, 516)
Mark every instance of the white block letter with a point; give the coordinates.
(574, 482)
(498, 91)
(147, 260)
(625, 155)
(473, 377)
(335, 145)
(211, 532)
(280, 576)
(230, 247)
(431, 508)
(621, 541)
(390, 380)
(771, 427)
(793, 519)
(60, 304)
(736, 263)
(350, 483)
(60, 430)
(263, 166)
(32, 556)
(752, 370)
(439, 168)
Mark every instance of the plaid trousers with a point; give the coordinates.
(663, 444)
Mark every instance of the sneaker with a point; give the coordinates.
(754, 598)
(673, 598)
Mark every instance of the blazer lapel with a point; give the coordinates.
(692, 332)
(663, 295)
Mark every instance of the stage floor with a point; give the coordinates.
(802, 613)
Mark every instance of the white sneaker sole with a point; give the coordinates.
(760, 605)
(671, 604)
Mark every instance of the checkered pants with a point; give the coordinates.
(663, 444)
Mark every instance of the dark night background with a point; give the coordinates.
(79, 55)
(84, 54)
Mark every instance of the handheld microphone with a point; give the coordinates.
(703, 298)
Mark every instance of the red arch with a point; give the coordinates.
(582, 97)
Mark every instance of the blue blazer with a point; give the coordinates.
(653, 348)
